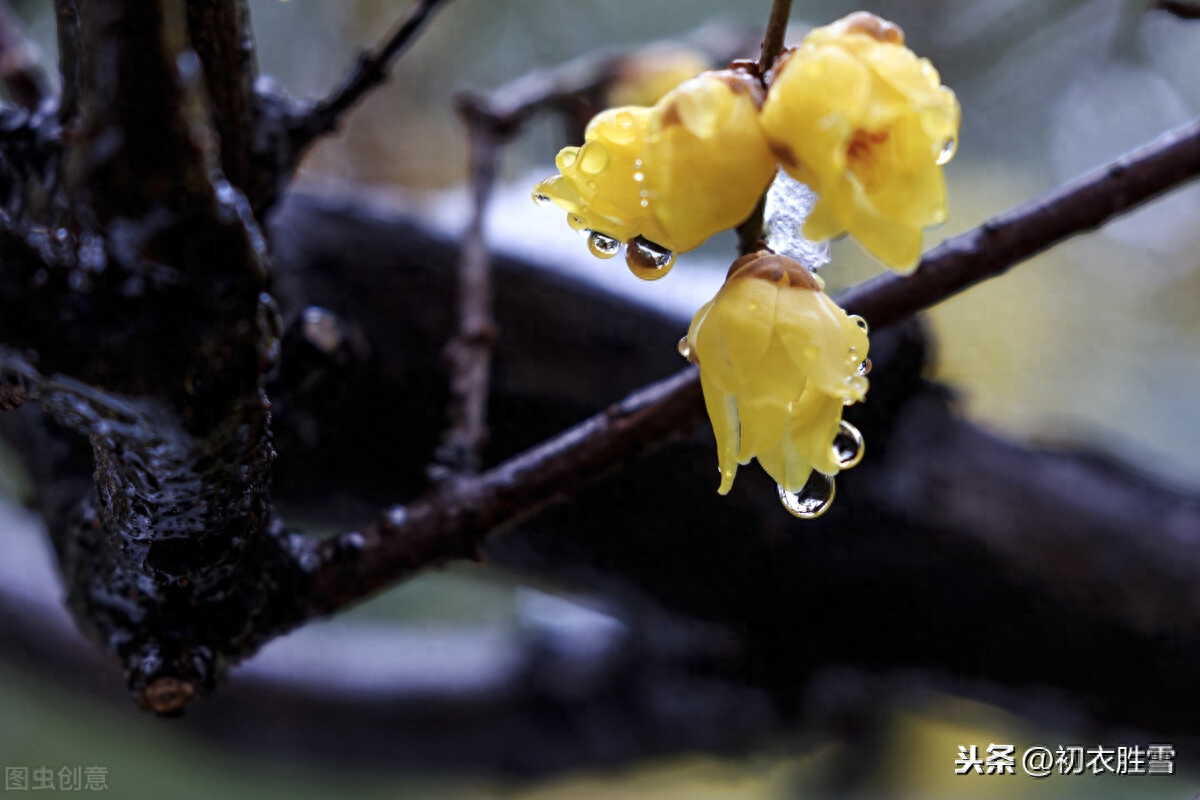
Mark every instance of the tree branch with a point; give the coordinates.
(370, 71)
(470, 352)
(454, 522)
(219, 32)
(942, 527)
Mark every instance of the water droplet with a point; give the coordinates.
(591, 184)
(645, 203)
(865, 367)
(576, 222)
(647, 260)
(639, 176)
(593, 158)
(685, 349)
(625, 119)
(542, 199)
(603, 246)
(848, 445)
(948, 149)
(860, 322)
(566, 158)
(813, 500)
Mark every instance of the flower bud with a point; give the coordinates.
(778, 361)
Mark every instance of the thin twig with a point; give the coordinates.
(470, 352)
(772, 44)
(21, 67)
(369, 72)
(453, 523)
(750, 232)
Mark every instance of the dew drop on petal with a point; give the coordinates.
(685, 349)
(865, 367)
(848, 445)
(566, 158)
(860, 322)
(576, 222)
(811, 501)
(542, 199)
(948, 149)
(603, 246)
(593, 158)
(647, 260)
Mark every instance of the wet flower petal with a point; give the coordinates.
(778, 360)
(676, 173)
(867, 124)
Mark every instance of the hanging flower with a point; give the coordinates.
(778, 361)
(673, 174)
(864, 122)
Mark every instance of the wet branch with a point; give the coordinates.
(470, 352)
(453, 523)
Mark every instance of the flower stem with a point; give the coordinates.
(751, 231)
(772, 44)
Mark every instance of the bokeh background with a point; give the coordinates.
(1096, 341)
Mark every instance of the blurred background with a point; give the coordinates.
(1097, 340)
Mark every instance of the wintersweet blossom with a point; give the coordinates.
(675, 173)
(857, 116)
(778, 361)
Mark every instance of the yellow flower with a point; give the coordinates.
(692, 165)
(865, 123)
(778, 361)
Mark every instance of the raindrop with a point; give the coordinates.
(860, 322)
(848, 445)
(603, 246)
(948, 149)
(647, 260)
(542, 199)
(576, 222)
(685, 349)
(813, 500)
(639, 176)
(566, 158)
(865, 367)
